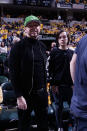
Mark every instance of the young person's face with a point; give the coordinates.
(63, 39)
(32, 29)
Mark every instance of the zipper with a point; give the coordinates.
(43, 61)
(42, 56)
(32, 71)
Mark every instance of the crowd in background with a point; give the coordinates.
(10, 32)
(72, 1)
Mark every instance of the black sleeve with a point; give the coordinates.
(14, 69)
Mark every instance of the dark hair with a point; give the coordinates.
(58, 34)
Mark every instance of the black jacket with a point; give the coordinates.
(27, 66)
(59, 67)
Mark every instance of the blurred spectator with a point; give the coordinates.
(3, 47)
(53, 45)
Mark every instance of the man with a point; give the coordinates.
(78, 68)
(28, 76)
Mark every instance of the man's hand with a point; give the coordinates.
(21, 102)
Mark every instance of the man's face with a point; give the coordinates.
(32, 29)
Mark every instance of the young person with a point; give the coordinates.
(59, 72)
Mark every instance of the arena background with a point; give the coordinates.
(70, 15)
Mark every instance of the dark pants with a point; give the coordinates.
(64, 94)
(80, 124)
(38, 101)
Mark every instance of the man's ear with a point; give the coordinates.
(26, 31)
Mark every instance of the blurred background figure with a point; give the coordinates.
(53, 45)
(3, 47)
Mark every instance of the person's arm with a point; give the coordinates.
(72, 66)
(14, 68)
